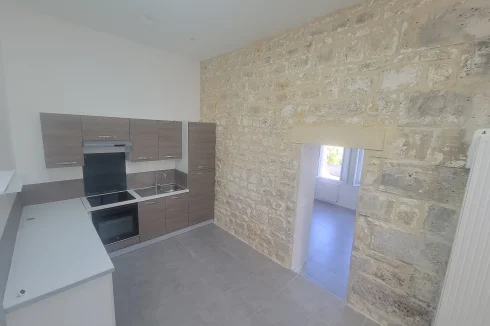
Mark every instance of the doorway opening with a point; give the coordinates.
(336, 193)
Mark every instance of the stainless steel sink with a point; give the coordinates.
(160, 189)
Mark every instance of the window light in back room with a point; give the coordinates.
(331, 162)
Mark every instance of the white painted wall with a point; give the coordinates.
(340, 193)
(6, 154)
(304, 208)
(90, 303)
(55, 66)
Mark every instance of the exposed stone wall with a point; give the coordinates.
(420, 69)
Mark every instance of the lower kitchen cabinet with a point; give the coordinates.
(151, 217)
(177, 212)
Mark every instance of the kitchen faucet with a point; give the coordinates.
(156, 178)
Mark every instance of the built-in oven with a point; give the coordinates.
(117, 223)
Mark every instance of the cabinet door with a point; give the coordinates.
(200, 182)
(202, 146)
(201, 208)
(170, 140)
(104, 128)
(177, 213)
(201, 196)
(151, 217)
(62, 140)
(144, 136)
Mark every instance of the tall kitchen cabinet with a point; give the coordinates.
(201, 177)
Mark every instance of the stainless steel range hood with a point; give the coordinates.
(111, 143)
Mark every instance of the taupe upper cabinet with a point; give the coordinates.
(144, 136)
(169, 140)
(62, 139)
(202, 146)
(104, 128)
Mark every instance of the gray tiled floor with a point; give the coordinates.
(331, 237)
(207, 277)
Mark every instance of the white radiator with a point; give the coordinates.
(465, 297)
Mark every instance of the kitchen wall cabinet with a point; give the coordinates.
(202, 146)
(169, 140)
(104, 128)
(177, 212)
(151, 218)
(62, 140)
(144, 136)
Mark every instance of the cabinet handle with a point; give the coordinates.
(169, 156)
(67, 163)
(200, 166)
(200, 173)
(105, 137)
(144, 158)
(175, 197)
(150, 202)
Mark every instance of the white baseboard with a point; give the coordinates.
(155, 240)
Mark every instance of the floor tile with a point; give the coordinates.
(282, 310)
(246, 254)
(277, 274)
(330, 248)
(257, 320)
(369, 322)
(256, 290)
(230, 309)
(193, 281)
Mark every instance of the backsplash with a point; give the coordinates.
(41, 193)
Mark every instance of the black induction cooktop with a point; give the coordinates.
(108, 199)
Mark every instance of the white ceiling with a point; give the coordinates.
(218, 26)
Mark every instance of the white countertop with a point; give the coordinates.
(137, 199)
(56, 250)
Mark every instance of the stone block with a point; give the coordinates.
(394, 303)
(440, 184)
(384, 108)
(440, 75)
(325, 56)
(298, 64)
(400, 78)
(410, 248)
(376, 206)
(370, 171)
(357, 85)
(408, 213)
(441, 221)
(331, 90)
(381, 42)
(362, 236)
(279, 69)
(453, 24)
(393, 277)
(424, 287)
(449, 148)
(353, 51)
(434, 108)
(409, 143)
(481, 107)
(475, 62)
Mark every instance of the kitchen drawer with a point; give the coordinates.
(177, 212)
(170, 140)
(104, 128)
(151, 217)
(62, 140)
(201, 182)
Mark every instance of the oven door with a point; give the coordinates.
(117, 223)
